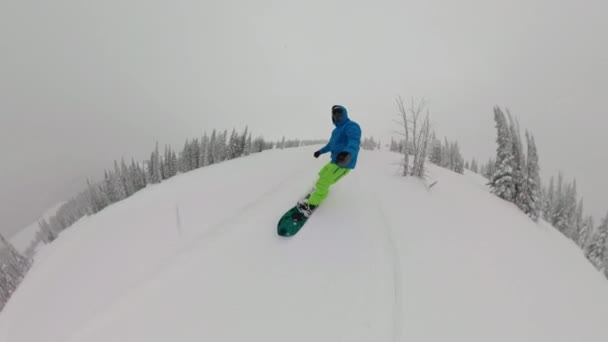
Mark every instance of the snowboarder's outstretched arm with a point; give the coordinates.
(325, 149)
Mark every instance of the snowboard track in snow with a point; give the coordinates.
(393, 252)
(392, 249)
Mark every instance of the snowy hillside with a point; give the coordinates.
(22, 239)
(197, 258)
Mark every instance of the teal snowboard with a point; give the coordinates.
(291, 222)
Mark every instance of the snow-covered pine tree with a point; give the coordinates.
(369, 144)
(393, 147)
(526, 199)
(289, 143)
(542, 199)
(598, 251)
(233, 145)
(103, 193)
(549, 201)
(364, 143)
(220, 147)
(166, 163)
(138, 175)
(578, 222)
(135, 176)
(445, 155)
(106, 187)
(96, 201)
(195, 153)
(202, 157)
(474, 166)
(223, 145)
(46, 234)
(259, 144)
(281, 145)
(4, 290)
(559, 204)
(12, 256)
(452, 160)
(243, 142)
(113, 193)
(184, 157)
(436, 152)
(147, 168)
(564, 207)
(530, 200)
(117, 185)
(13, 267)
(212, 150)
(490, 169)
(126, 179)
(456, 161)
(572, 218)
(502, 182)
(154, 167)
(174, 163)
(519, 166)
(248, 145)
(584, 238)
(188, 156)
(56, 225)
(170, 162)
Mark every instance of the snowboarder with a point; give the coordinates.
(344, 147)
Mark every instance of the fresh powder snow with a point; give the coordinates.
(385, 258)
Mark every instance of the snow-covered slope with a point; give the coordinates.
(22, 239)
(197, 258)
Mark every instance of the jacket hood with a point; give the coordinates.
(344, 117)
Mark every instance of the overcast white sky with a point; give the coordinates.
(85, 82)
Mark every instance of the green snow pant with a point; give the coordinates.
(328, 176)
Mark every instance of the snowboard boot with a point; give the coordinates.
(306, 209)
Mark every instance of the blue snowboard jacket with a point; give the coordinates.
(346, 137)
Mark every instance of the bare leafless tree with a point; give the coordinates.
(405, 132)
(422, 147)
(416, 131)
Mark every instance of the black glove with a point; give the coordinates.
(343, 159)
(317, 154)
